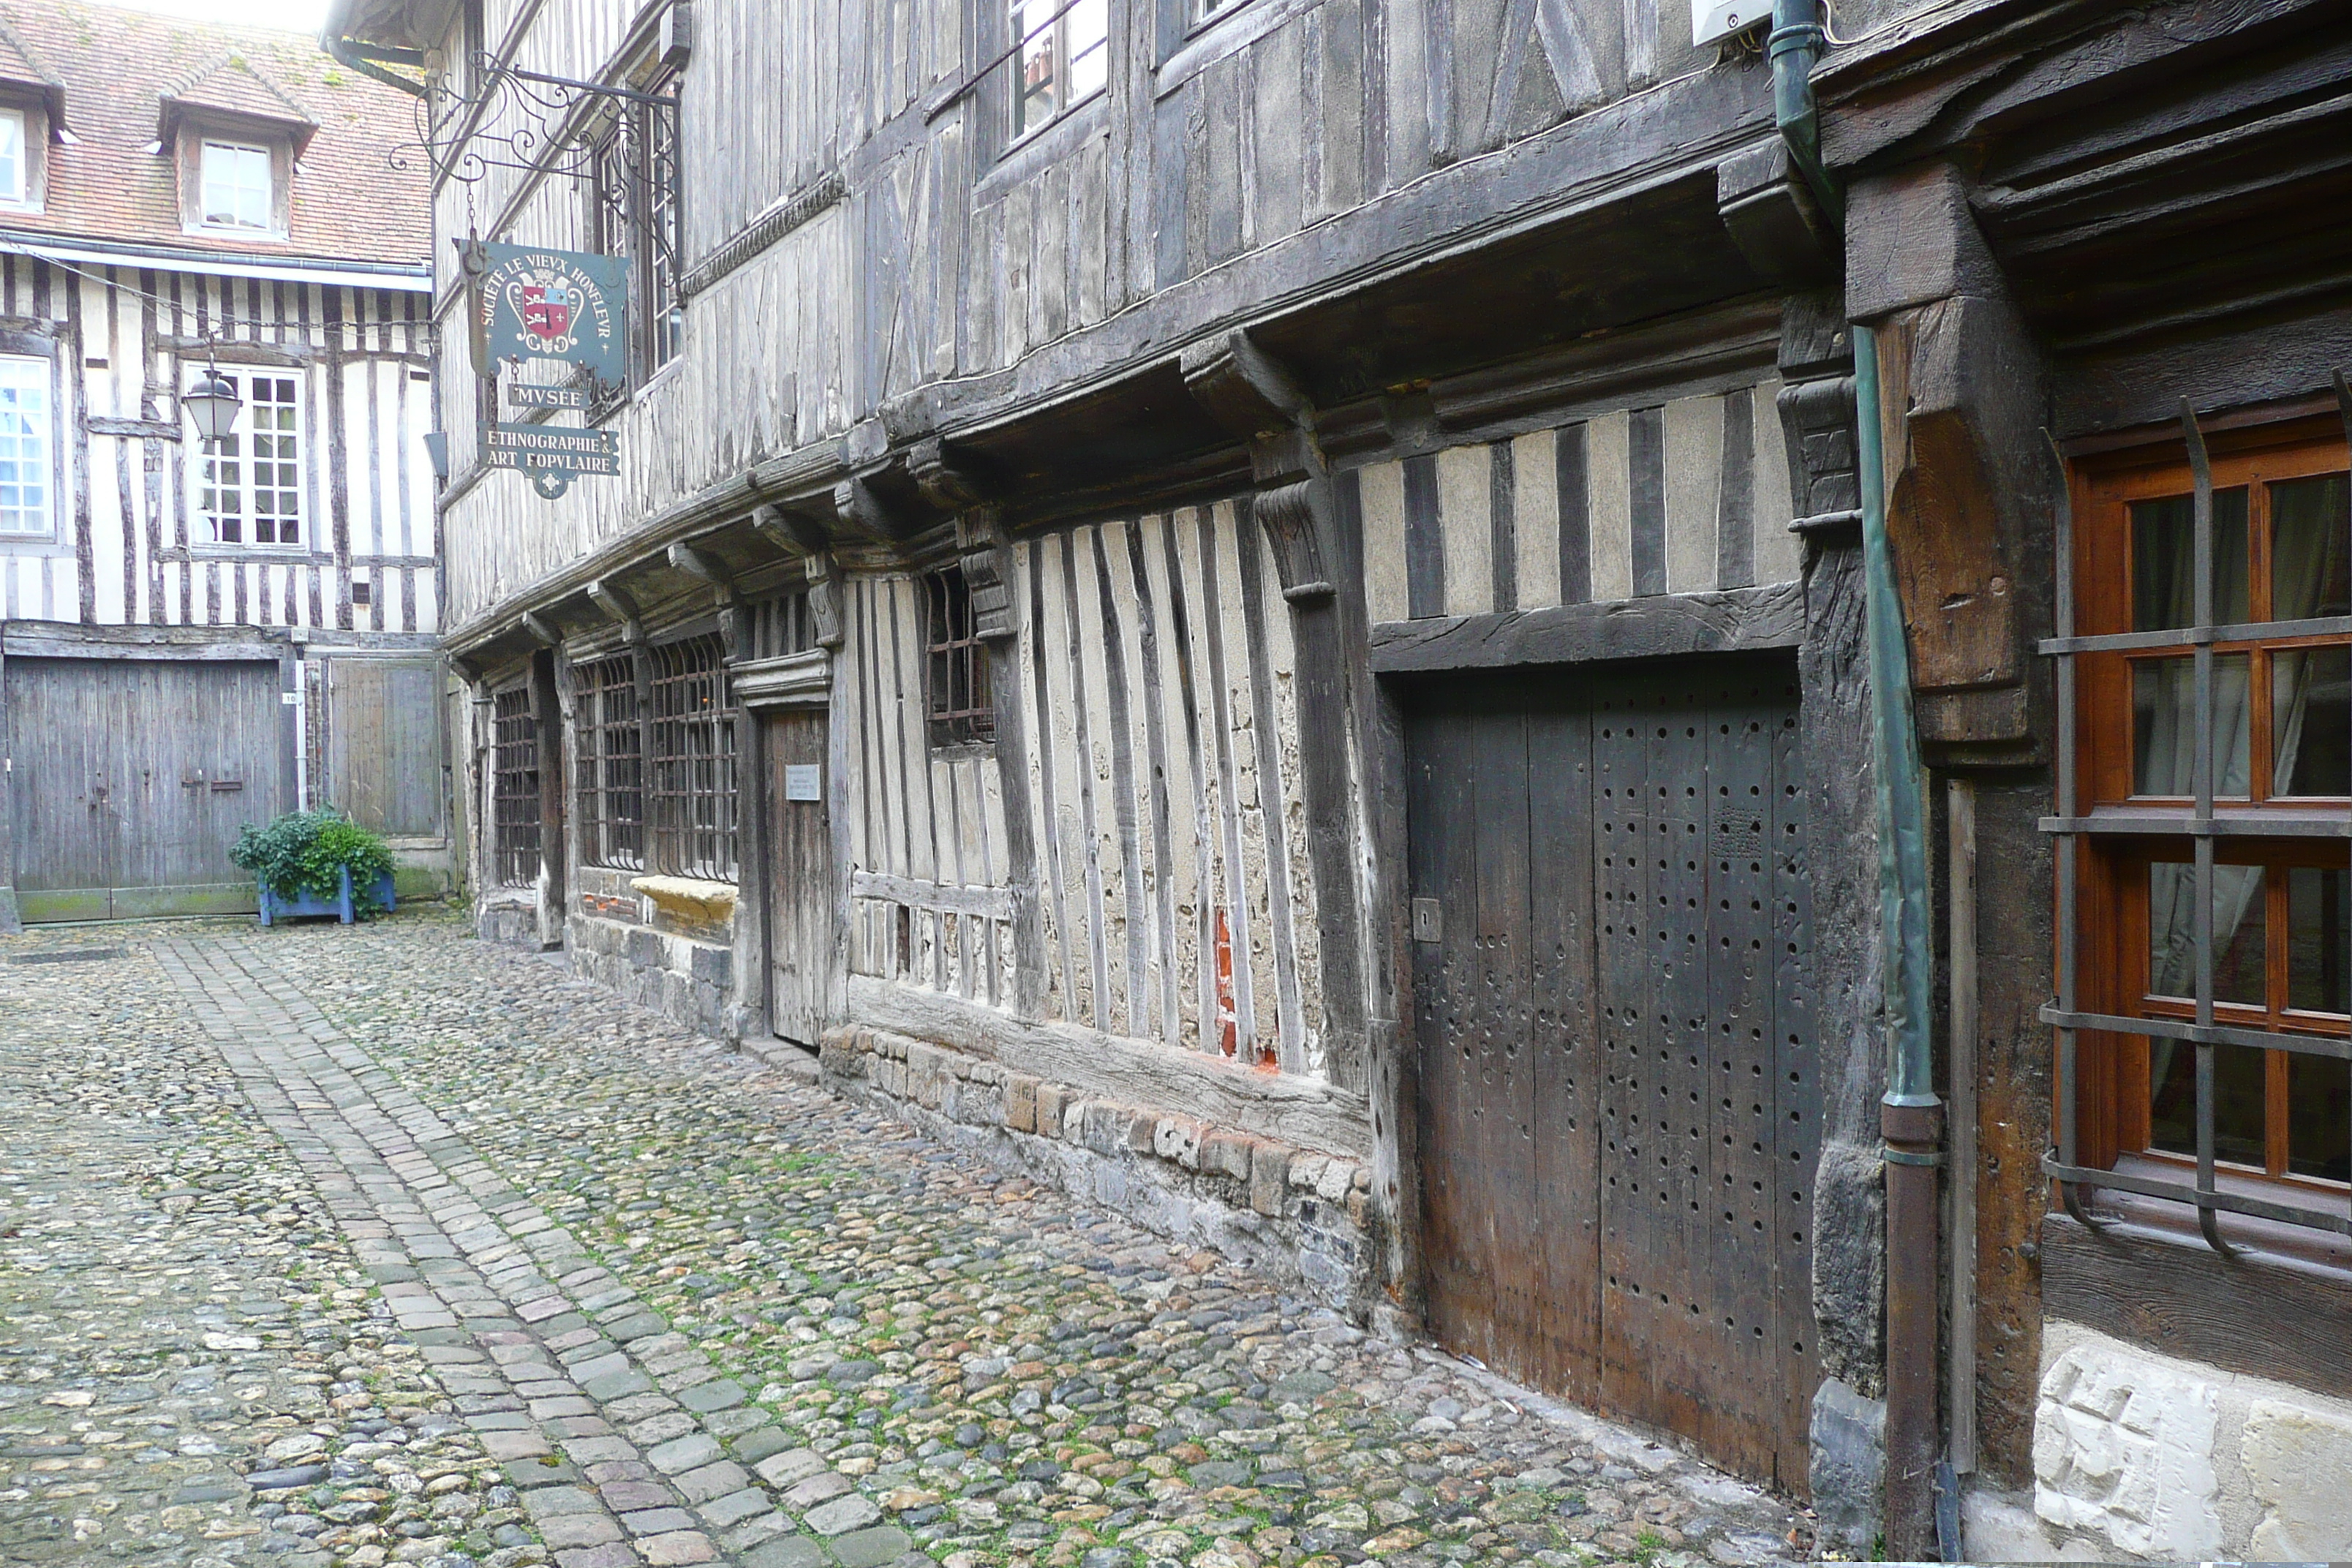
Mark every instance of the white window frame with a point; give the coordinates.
(1028, 27)
(35, 446)
(18, 194)
(206, 474)
(205, 146)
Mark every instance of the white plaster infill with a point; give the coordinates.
(688, 899)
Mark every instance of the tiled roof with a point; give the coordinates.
(124, 74)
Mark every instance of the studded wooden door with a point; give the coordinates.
(1619, 1111)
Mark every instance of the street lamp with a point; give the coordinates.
(214, 403)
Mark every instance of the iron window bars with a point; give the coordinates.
(514, 787)
(2201, 826)
(690, 789)
(637, 215)
(608, 718)
(961, 708)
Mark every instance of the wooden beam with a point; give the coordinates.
(1737, 620)
(2251, 1314)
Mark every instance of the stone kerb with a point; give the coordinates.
(1304, 1214)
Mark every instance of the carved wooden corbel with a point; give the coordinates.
(540, 631)
(1250, 394)
(824, 597)
(610, 598)
(685, 558)
(945, 483)
(985, 551)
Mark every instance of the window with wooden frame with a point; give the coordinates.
(514, 788)
(16, 166)
(27, 493)
(608, 745)
(2205, 655)
(690, 788)
(961, 711)
(637, 215)
(1063, 51)
(249, 482)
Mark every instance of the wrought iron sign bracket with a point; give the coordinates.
(534, 123)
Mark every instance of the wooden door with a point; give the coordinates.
(806, 976)
(136, 775)
(1619, 1114)
(384, 744)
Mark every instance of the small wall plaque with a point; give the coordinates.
(804, 781)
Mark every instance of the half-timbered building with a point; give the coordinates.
(199, 635)
(1415, 638)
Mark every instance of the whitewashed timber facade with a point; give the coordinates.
(199, 637)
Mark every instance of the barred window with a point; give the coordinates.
(636, 193)
(514, 788)
(2205, 790)
(690, 798)
(961, 708)
(783, 626)
(610, 747)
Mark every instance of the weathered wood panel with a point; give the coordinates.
(1618, 1110)
(383, 745)
(137, 775)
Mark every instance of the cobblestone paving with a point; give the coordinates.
(381, 1245)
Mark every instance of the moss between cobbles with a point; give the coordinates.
(1026, 1381)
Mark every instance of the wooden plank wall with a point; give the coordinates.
(1156, 678)
(1684, 496)
(129, 548)
(928, 865)
(1157, 674)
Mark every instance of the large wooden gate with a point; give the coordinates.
(1619, 1114)
(130, 778)
(805, 926)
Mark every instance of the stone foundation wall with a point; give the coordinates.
(2160, 1458)
(1297, 1213)
(508, 925)
(680, 966)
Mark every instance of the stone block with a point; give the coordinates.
(2122, 1448)
(792, 1466)
(713, 1481)
(1339, 1175)
(842, 1515)
(1226, 1154)
(645, 950)
(687, 1453)
(1177, 1139)
(2298, 1459)
(713, 966)
(790, 1552)
(1307, 1170)
(1270, 1174)
(871, 1548)
(1102, 1128)
(1050, 1099)
(1848, 1464)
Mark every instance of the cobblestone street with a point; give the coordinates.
(382, 1245)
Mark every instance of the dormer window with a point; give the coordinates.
(16, 179)
(237, 191)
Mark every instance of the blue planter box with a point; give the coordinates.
(274, 909)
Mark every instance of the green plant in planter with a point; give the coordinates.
(304, 851)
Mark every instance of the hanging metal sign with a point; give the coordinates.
(567, 305)
(530, 395)
(552, 455)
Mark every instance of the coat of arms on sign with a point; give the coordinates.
(546, 310)
(543, 304)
